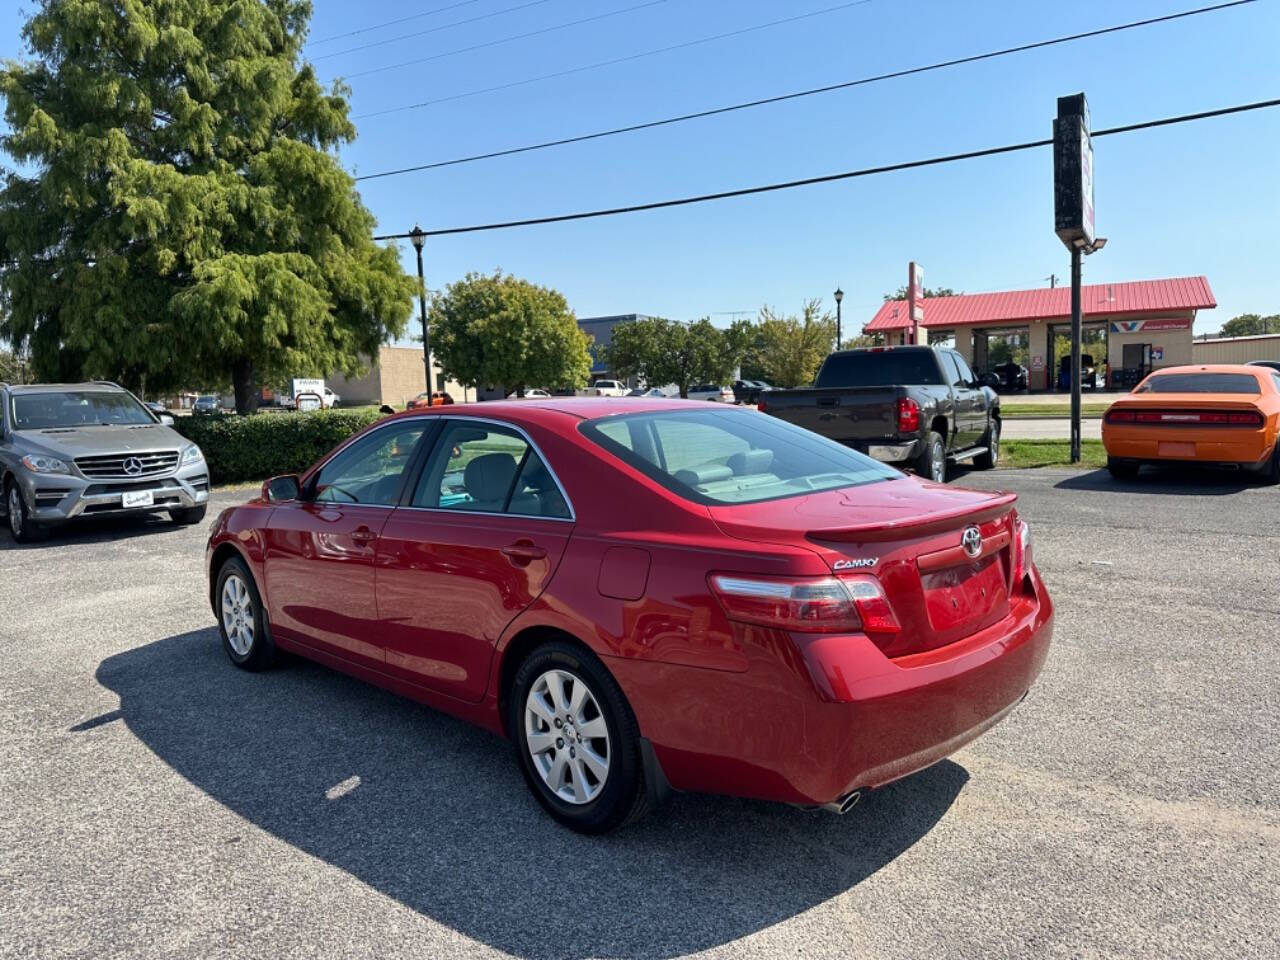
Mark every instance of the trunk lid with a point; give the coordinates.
(910, 535)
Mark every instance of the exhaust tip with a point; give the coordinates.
(844, 804)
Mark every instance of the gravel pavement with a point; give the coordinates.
(157, 802)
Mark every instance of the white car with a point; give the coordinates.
(709, 391)
(609, 388)
(537, 395)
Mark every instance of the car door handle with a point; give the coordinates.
(363, 535)
(523, 552)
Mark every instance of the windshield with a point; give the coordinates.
(45, 411)
(731, 456)
(1201, 383)
(882, 368)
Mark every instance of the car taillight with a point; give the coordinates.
(1235, 418)
(761, 406)
(808, 605)
(1022, 556)
(908, 415)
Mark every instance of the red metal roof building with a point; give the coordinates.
(1133, 313)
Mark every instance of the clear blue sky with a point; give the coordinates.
(1198, 198)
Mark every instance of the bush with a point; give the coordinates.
(267, 444)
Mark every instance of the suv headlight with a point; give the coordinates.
(38, 463)
(191, 455)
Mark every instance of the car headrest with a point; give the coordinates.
(750, 461)
(692, 476)
(489, 477)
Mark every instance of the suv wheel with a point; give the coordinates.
(23, 528)
(576, 739)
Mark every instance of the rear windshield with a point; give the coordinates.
(1201, 383)
(46, 411)
(732, 456)
(888, 368)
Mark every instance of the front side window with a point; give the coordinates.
(730, 456)
(1201, 382)
(76, 408)
(966, 375)
(487, 468)
(369, 471)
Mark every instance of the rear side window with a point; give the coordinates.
(731, 456)
(1201, 382)
(885, 368)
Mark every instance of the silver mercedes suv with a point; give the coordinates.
(80, 450)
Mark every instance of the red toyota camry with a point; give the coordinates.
(646, 595)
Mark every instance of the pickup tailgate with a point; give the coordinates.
(908, 534)
(843, 414)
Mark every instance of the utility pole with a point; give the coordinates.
(1053, 280)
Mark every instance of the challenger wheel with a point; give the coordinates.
(1122, 469)
(576, 739)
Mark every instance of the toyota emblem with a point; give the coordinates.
(132, 466)
(971, 540)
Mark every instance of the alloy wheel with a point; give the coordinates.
(566, 735)
(995, 444)
(15, 511)
(237, 615)
(938, 463)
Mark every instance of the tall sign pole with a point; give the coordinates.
(1073, 221)
(915, 301)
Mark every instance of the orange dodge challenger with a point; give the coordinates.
(1220, 414)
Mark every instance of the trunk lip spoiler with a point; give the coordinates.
(923, 525)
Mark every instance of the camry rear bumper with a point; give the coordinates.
(813, 720)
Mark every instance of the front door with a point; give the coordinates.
(320, 549)
(477, 543)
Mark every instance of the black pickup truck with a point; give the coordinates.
(917, 407)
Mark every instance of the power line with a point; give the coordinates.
(502, 40)
(750, 104)
(423, 33)
(391, 23)
(617, 60)
(832, 177)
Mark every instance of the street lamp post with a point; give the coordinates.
(419, 238)
(839, 295)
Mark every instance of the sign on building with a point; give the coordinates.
(915, 301)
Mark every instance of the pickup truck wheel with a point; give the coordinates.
(986, 461)
(932, 462)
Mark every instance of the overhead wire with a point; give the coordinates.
(832, 177)
(429, 30)
(813, 91)
(391, 23)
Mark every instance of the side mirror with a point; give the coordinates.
(166, 420)
(281, 489)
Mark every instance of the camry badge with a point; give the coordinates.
(971, 540)
(861, 563)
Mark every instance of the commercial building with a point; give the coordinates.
(395, 376)
(1236, 349)
(1147, 324)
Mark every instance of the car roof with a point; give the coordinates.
(583, 408)
(63, 387)
(1211, 368)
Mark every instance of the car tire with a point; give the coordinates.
(988, 460)
(22, 528)
(932, 462)
(189, 515)
(242, 624)
(1272, 473)
(590, 796)
(1122, 469)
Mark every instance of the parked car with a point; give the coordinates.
(609, 388)
(424, 400)
(206, 404)
(645, 392)
(537, 395)
(158, 408)
(645, 595)
(1012, 376)
(920, 407)
(1088, 372)
(1219, 414)
(88, 450)
(1272, 364)
(709, 391)
(748, 391)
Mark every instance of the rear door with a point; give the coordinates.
(320, 550)
(478, 541)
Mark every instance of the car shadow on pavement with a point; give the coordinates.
(94, 530)
(1178, 481)
(440, 819)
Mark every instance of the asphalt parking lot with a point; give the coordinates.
(158, 802)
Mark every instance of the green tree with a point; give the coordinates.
(789, 349)
(497, 329)
(662, 351)
(901, 293)
(185, 218)
(1250, 325)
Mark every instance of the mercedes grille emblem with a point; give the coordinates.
(132, 466)
(971, 540)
